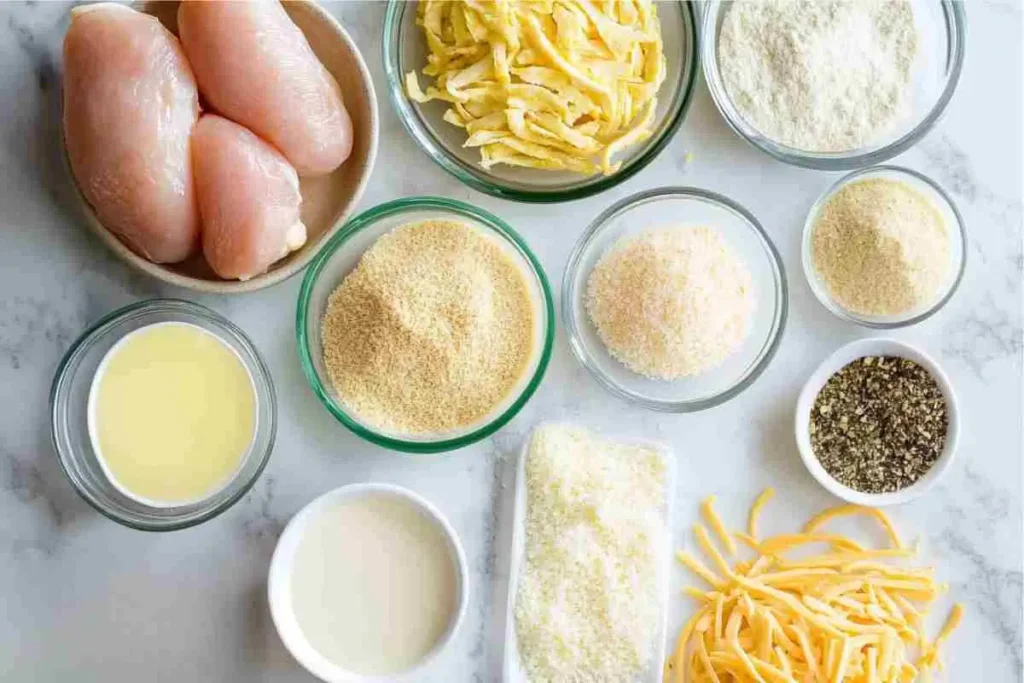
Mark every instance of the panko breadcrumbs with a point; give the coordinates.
(431, 331)
(671, 302)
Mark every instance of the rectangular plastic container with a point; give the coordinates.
(512, 670)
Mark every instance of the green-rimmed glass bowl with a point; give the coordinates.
(405, 50)
(342, 254)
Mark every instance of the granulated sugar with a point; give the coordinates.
(671, 302)
(431, 331)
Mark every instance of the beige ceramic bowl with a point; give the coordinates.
(327, 201)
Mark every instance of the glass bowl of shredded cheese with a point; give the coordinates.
(833, 86)
(541, 103)
(884, 247)
(654, 312)
(403, 324)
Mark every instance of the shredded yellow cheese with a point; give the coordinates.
(561, 85)
(755, 510)
(712, 518)
(845, 616)
(847, 510)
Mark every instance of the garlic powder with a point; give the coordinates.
(881, 248)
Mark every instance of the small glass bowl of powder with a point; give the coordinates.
(674, 299)
(884, 247)
(425, 324)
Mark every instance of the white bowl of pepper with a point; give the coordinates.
(877, 423)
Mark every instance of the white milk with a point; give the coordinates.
(374, 584)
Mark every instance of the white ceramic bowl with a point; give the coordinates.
(845, 355)
(279, 585)
(327, 201)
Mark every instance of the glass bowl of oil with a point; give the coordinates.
(107, 484)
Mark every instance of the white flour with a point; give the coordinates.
(819, 75)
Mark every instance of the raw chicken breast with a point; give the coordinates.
(255, 67)
(130, 102)
(248, 197)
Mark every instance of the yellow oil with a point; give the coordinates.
(172, 414)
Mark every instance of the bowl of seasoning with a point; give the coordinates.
(877, 423)
(675, 299)
(163, 415)
(425, 324)
(884, 247)
(368, 583)
(833, 86)
(536, 115)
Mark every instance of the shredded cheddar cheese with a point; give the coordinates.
(845, 616)
(561, 85)
(755, 510)
(712, 518)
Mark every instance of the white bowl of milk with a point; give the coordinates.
(368, 583)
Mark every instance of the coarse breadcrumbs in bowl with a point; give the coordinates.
(430, 331)
(403, 324)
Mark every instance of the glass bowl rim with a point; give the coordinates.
(768, 348)
(956, 23)
(370, 217)
(818, 287)
(496, 188)
(258, 368)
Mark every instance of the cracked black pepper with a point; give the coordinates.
(879, 424)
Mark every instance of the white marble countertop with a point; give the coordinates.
(87, 600)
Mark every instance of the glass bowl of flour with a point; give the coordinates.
(833, 84)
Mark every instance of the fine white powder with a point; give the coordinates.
(820, 75)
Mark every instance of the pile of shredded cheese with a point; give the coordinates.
(848, 615)
(559, 85)
(588, 603)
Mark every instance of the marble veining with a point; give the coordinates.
(983, 335)
(87, 600)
